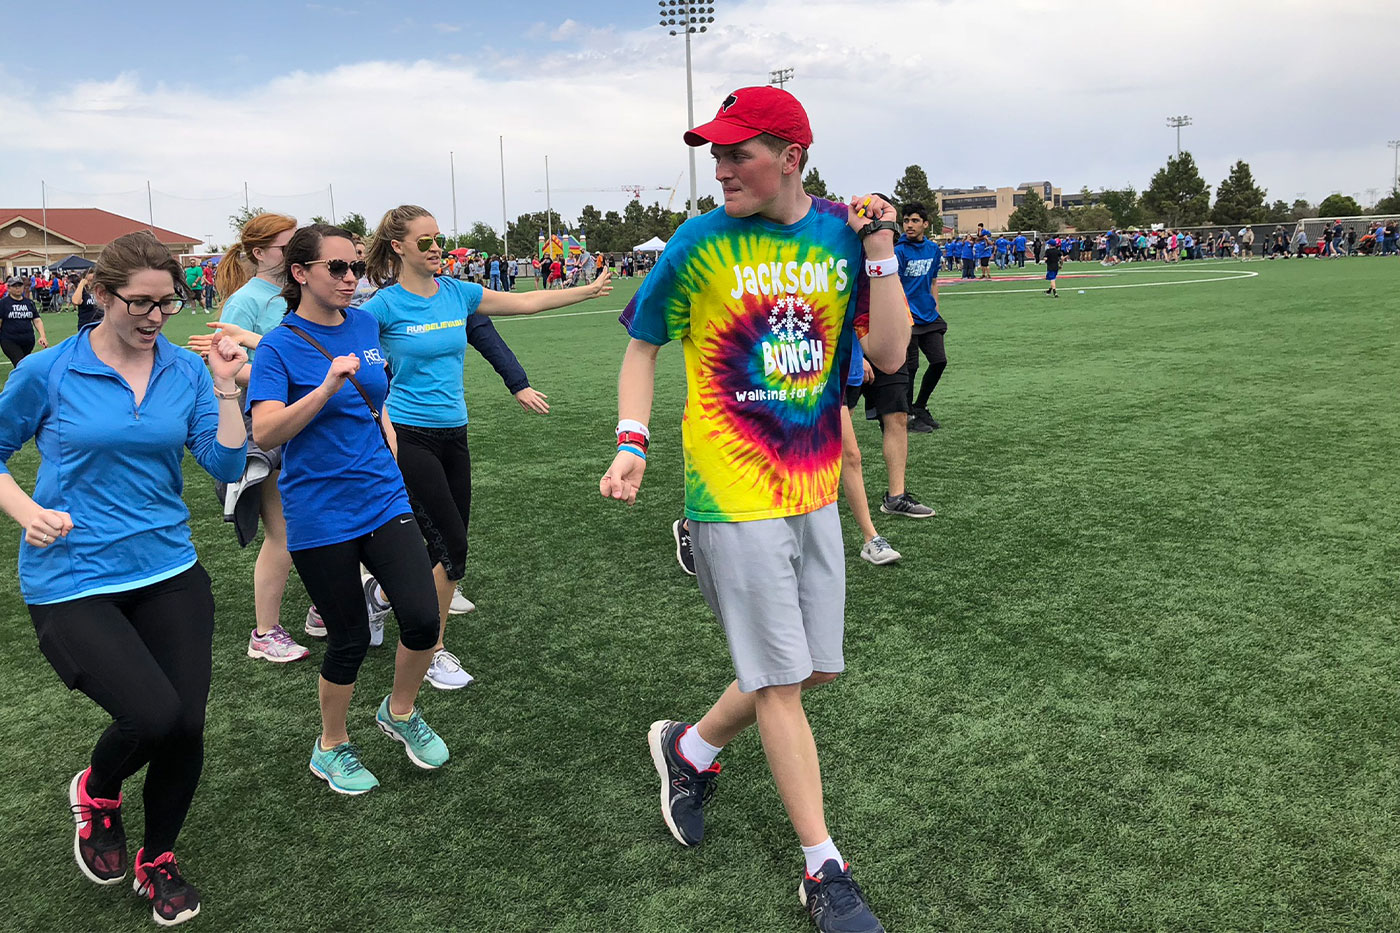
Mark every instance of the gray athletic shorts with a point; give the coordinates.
(778, 586)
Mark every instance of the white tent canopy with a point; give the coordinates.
(654, 245)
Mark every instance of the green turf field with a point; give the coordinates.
(1139, 674)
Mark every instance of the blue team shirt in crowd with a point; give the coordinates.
(918, 268)
(982, 250)
(1019, 244)
(338, 480)
(113, 465)
(1003, 244)
(425, 340)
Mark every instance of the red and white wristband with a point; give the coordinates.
(633, 437)
(879, 268)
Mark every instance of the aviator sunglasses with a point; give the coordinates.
(338, 267)
(425, 243)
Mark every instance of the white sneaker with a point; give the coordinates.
(377, 604)
(314, 626)
(276, 646)
(878, 551)
(460, 604)
(446, 672)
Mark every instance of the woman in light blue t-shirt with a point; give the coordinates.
(425, 324)
(251, 275)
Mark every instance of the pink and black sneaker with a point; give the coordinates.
(99, 841)
(173, 899)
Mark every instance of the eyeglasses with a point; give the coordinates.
(425, 243)
(140, 307)
(338, 267)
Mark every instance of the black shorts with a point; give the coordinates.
(887, 394)
(853, 394)
(983, 261)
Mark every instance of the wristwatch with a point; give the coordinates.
(877, 225)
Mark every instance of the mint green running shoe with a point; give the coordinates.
(342, 769)
(424, 747)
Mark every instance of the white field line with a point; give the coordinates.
(1223, 275)
(1228, 275)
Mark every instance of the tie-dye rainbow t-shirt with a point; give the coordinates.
(765, 313)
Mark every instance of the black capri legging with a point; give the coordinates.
(931, 345)
(437, 471)
(16, 350)
(394, 554)
(143, 656)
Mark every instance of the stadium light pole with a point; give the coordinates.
(1395, 175)
(691, 18)
(1178, 123)
(780, 77)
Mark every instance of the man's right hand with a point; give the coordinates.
(623, 478)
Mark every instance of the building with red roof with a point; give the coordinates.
(70, 230)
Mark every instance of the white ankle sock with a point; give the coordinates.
(696, 750)
(818, 854)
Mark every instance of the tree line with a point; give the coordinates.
(1179, 196)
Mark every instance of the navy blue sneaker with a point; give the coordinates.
(684, 788)
(835, 902)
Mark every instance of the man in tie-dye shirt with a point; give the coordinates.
(765, 296)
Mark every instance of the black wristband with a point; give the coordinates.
(875, 225)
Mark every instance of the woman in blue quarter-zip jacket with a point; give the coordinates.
(121, 606)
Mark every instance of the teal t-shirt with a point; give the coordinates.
(258, 306)
(425, 341)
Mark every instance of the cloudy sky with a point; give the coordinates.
(371, 96)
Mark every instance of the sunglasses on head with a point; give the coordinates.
(425, 243)
(338, 267)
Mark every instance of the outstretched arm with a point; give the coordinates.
(500, 304)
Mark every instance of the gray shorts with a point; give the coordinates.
(778, 586)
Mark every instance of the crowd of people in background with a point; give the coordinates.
(977, 253)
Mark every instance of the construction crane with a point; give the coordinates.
(635, 189)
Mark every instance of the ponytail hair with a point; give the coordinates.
(383, 263)
(303, 248)
(238, 264)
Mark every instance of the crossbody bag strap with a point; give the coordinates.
(374, 412)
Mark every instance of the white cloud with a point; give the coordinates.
(447, 27)
(975, 94)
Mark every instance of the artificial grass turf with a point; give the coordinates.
(1139, 673)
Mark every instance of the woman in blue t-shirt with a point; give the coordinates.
(317, 386)
(251, 275)
(122, 609)
(425, 323)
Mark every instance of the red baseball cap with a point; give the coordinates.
(750, 111)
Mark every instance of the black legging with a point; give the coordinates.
(437, 471)
(144, 657)
(394, 554)
(931, 344)
(16, 349)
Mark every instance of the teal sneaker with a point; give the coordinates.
(424, 747)
(342, 769)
